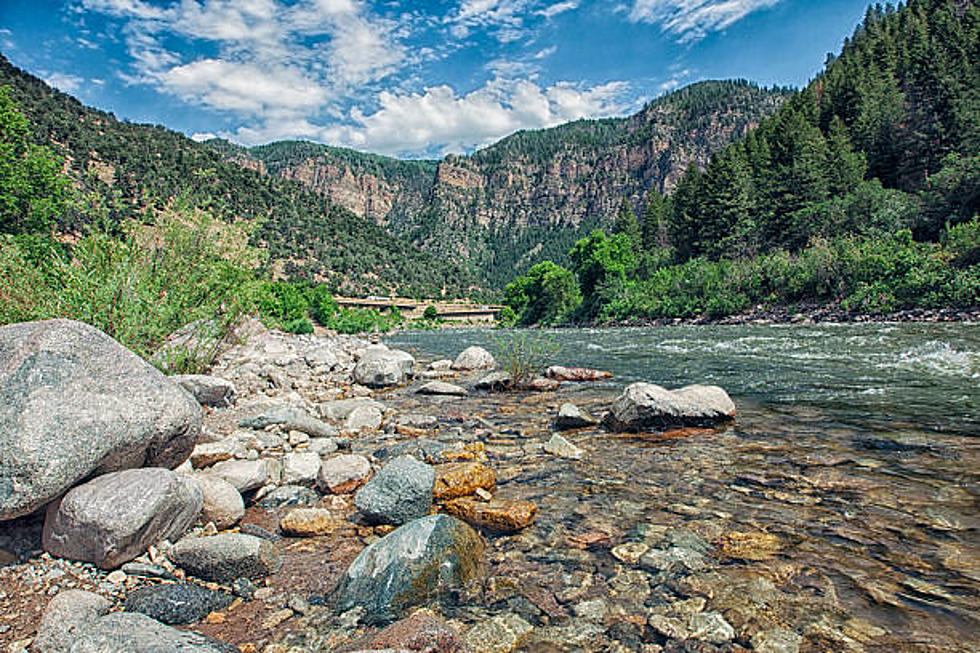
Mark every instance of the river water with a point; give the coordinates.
(839, 512)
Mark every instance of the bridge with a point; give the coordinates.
(413, 309)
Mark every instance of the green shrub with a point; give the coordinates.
(524, 355)
(299, 325)
(430, 313)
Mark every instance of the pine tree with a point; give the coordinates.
(627, 224)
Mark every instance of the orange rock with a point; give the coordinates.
(309, 522)
(410, 431)
(496, 515)
(743, 545)
(461, 479)
(590, 540)
(561, 373)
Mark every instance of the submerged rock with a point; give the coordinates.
(411, 566)
(559, 446)
(115, 517)
(400, 492)
(418, 632)
(74, 404)
(496, 515)
(500, 634)
(644, 406)
(461, 479)
(474, 358)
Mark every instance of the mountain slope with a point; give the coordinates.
(131, 170)
(531, 195)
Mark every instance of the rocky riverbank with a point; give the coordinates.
(317, 465)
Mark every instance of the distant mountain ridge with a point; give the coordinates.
(532, 194)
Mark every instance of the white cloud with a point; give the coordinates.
(200, 137)
(558, 8)
(65, 82)
(692, 20)
(439, 121)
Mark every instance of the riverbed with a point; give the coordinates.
(839, 512)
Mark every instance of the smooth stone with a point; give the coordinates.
(75, 404)
(400, 492)
(223, 503)
(176, 603)
(132, 632)
(310, 522)
(418, 632)
(344, 473)
(441, 388)
(776, 640)
(245, 475)
(287, 496)
(411, 566)
(210, 453)
(541, 384)
(339, 409)
(291, 418)
(474, 358)
(571, 417)
(208, 390)
(64, 614)
(363, 418)
(673, 559)
(425, 449)
(500, 634)
(559, 446)
(416, 421)
(323, 446)
(710, 627)
(114, 518)
(300, 468)
(455, 480)
(381, 367)
(225, 557)
(494, 381)
(498, 515)
(645, 406)
(576, 374)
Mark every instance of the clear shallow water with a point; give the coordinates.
(855, 446)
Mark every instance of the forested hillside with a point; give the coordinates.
(126, 170)
(862, 190)
(530, 196)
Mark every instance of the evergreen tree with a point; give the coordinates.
(627, 224)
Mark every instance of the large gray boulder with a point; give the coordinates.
(474, 358)
(225, 557)
(400, 492)
(65, 614)
(644, 406)
(114, 518)
(74, 403)
(411, 566)
(208, 390)
(380, 367)
(132, 632)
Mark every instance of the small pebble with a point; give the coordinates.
(117, 577)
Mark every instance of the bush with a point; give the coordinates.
(323, 307)
(299, 326)
(430, 313)
(524, 356)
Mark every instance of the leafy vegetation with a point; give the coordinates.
(523, 355)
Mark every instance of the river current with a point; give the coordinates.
(841, 511)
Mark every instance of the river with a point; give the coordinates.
(840, 512)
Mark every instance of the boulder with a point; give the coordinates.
(223, 504)
(474, 358)
(644, 406)
(441, 365)
(494, 381)
(400, 492)
(64, 615)
(291, 418)
(114, 518)
(455, 480)
(363, 418)
(339, 409)
(208, 390)
(576, 374)
(223, 558)
(245, 475)
(74, 403)
(344, 473)
(442, 388)
(209, 453)
(132, 632)
(380, 367)
(571, 417)
(411, 566)
(176, 603)
(496, 515)
(559, 446)
(300, 468)
(541, 384)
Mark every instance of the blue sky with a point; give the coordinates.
(406, 78)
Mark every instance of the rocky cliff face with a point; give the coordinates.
(530, 195)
